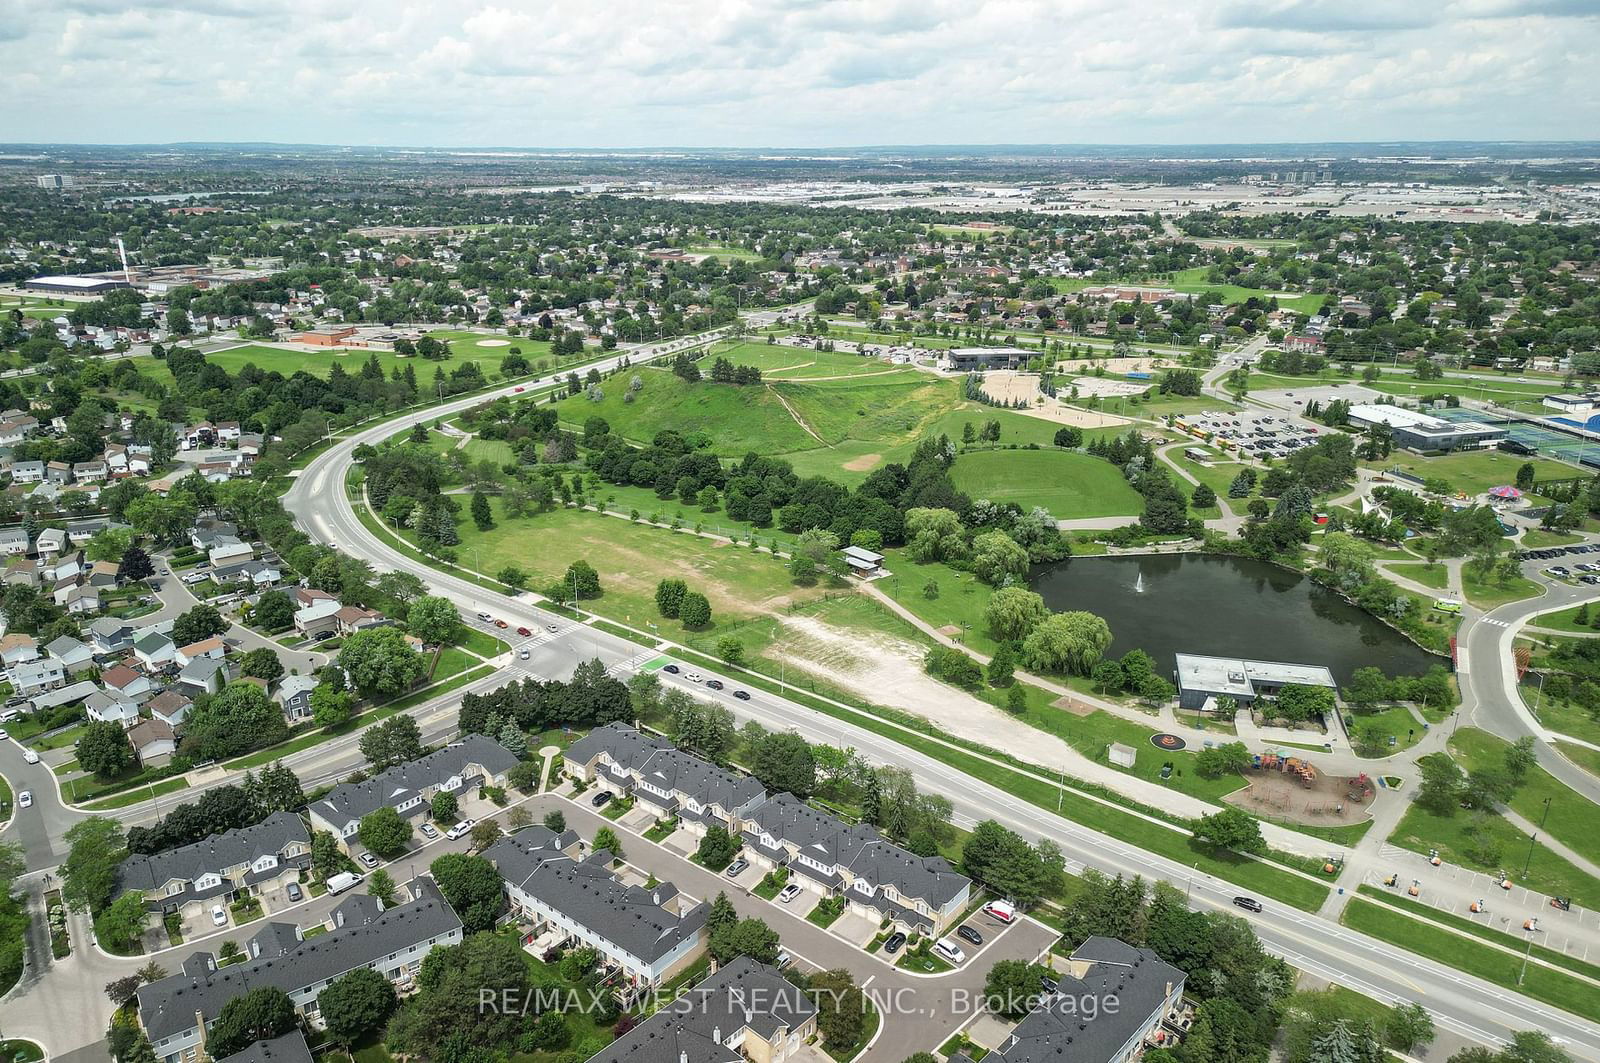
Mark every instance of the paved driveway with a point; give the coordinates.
(855, 928)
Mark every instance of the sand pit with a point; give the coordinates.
(1109, 386)
(1114, 366)
(1005, 385)
(493, 343)
(863, 463)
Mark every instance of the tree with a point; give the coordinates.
(1519, 759)
(581, 580)
(385, 832)
(1001, 860)
(239, 718)
(512, 577)
(122, 990)
(783, 762)
(1012, 613)
(1067, 642)
(730, 649)
(1533, 1046)
(605, 839)
(258, 1014)
(717, 848)
(747, 937)
(1367, 688)
(122, 923)
(444, 807)
(841, 1008)
(103, 749)
(434, 620)
(381, 885)
(330, 707)
(997, 559)
(394, 741)
(356, 1004)
(695, 610)
(1012, 987)
(274, 611)
(472, 886)
(934, 535)
(1408, 1026)
(445, 1020)
(380, 662)
(135, 565)
(1231, 828)
(261, 663)
(96, 847)
(484, 834)
(1225, 759)
(1526, 474)
(1203, 497)
(198, 624)
(1440, 791)
(669, 597)
(482, 516)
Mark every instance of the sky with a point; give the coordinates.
(797, 73)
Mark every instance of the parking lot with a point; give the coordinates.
(1578, 572)
(1254, 433)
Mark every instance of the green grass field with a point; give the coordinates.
(1472, 471)
(1067, 484)
(1571, 817)
(320, 363)
(1193, 282)
(719, 251)
(1434, 576)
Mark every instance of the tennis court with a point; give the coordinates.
(1551, 442)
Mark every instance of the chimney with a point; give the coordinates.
(1169, 989)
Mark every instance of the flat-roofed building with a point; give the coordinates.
(966, 359)
(1420, 432)
(1202, 678)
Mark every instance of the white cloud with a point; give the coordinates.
(797, 72)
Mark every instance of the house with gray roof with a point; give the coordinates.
(110, 635)
(1148, 992)
(32, 677)
(650, 932)
(51, 542)
(664, 777)
(110, 706)
(70, 652)
(287, 1048)
(67, 695)
(392, 942)
(238, 863)
(203, 675)
(13, 541)
(407, 788)
(746, 1012)
(294, 697)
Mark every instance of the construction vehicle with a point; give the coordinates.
(1564, 903)
(1391, 880)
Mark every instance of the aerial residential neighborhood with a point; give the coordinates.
(777, 532)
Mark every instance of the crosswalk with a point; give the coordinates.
(633, 663)
(1496, 623)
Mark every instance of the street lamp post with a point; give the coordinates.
(1534, 837)
(1526, 953)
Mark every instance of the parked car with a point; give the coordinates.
(892, 944)
(737, 868)
(368, 860)
(950, 950)
(524, 632)
(742, 695)
(294, 892)
(501, 624)
(219, 915)
(1001, 910)
(783, 960)
(25, 799)
(713, 684)
(966, 933)
(789, 893)
(1249, 904)
(601, 799)
(460, 829)
(337, 884)
(4, 734)
(429, 830)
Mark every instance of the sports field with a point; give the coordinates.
(779, 362)
(1066, 483)
(1473, 472)
(842, 428)
(719, 251)
(1193, 282)
(465, 346)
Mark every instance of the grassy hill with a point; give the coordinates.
(1068, 484)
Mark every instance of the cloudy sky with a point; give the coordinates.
(805, 73)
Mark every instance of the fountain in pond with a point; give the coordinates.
(1138, 583)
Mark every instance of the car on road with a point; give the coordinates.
(485, 617)
(219, 915)
(518, 390)
(501, 624)
(4, 734)
(1249, 904)
(789, 893)
(714, 684)
(368, 860)
(1001, 910)
(671, 669)
(742, 695)
(966, 933)
(892, 944)
(737, 868)
(601, 799)
(429, 830)
(524, 655)
(524, 632)
(460, 829)
(25, 799)
(551, 628)
(693, 677)
(294, 893)
(30, 757)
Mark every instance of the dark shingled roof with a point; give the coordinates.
(219, 851)
(289, 1048)
(662, 765)
(354, 800)
(744, 994)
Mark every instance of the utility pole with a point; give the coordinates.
(1534, 837)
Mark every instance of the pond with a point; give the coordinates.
(1226, 607)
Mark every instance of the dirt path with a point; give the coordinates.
(801, 421)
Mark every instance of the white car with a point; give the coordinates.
(30, 757)
(693, 677)
(789, 892)
(485, 617)
(219, 917)
(460, 829)
(523, 655)
(4, 734)
(25, 799)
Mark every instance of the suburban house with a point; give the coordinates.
(175, 1011)
(51, 542)
(211, 648)
(319, 616)
(153, 741)
(203, 675)
(110, 707)
(650, 932)
(245, 862)
(1148, 990)
(170, 707)
(746, 1012)
(154, 650)
(17, 648)
(876, 877)
(407, 788)
(72, 654)
(125, 681)
(110, 635)
(294, 696)
(43, 673)
(13, 541)
(662, 776)
(287, 1048)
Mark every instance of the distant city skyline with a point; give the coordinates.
(797, 73)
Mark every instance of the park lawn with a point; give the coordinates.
(631, 559)
(1434, 576)
(1564, 717)
(1067, 484)
(1395, 721)
(1473, 471)
(744, 254)
(1193, 281)
(779, 362)
(1567, 619)
(1491, 593)
(1571, 819)
(737, 418)
(321, 362)
(495, 450)
(958, 604)
(1473, 957)
(1584, 757)
(1538, 539)
(452, 661)
(1218, 475)
(1421, 831)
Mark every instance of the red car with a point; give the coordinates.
(501, 623)
(524, 632)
